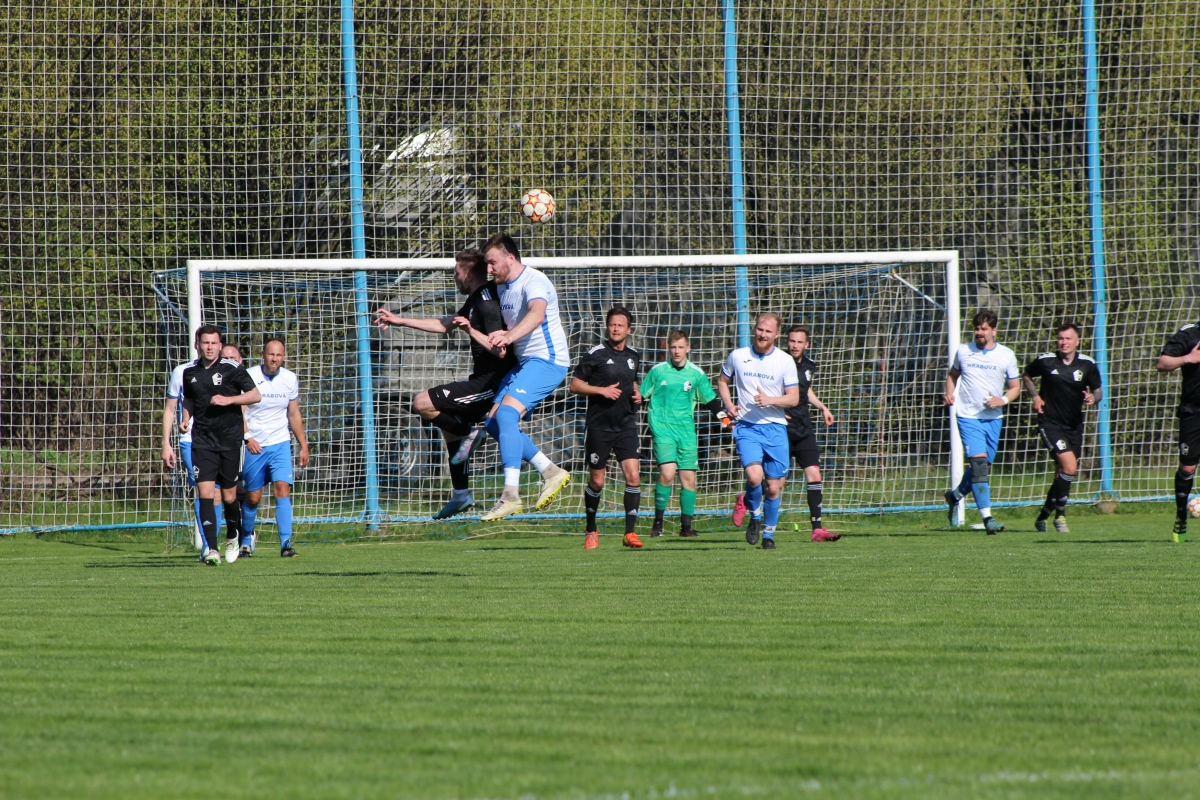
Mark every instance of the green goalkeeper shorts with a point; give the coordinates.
(678, 449)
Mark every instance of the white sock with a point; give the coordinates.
(541, 462)
(985, 512)
(512, 477)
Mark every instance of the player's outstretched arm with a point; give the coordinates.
(296, 422)
(385, 319)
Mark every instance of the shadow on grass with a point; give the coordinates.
(146, 563)
(517, 547)
(1098, 541)
(409, 573)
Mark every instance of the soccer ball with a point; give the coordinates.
(1194, 507)
(537, 205)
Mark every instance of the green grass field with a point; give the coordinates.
(906, 660)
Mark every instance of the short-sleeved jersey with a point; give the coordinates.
(1180, 344)
(1063, 385)
(267, 420)
(751, 371)
(799, 416)
(984, 374)
(673, 394)
(216, 427)
(604, 365)
(482, 308)
(547, 341)
(175, 392)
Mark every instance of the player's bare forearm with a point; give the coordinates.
(824, 409)
(532, 319)
(296, 423)
(168, 421)
(790, 399)
(481, 339)
(1172, 363)
(951, 382)
(1029, 387)
(244, 399)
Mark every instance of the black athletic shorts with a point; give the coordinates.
(222, 466)
(471, 399)
(1061, 440)
(1189, 439)
(599, 445)
(804, 450)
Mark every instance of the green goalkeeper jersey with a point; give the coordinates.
(673, 394)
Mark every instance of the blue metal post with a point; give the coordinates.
(733, 113)
(1096, 211)
(358, 240)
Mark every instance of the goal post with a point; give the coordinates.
(885, 328)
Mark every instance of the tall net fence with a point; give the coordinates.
(138, 138)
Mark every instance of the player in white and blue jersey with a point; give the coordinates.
(270, 424)
(983, 379)
(529, 305)
(766, 382)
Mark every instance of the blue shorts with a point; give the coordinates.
(531, 381)
(765, 444)
(185, 455)
(275, 459)
(980, 436)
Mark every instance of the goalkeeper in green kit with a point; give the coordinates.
(673, 389)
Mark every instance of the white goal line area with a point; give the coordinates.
(885, 326)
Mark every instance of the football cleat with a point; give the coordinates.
(739, 510)
(656, 529)
(688, 533)
(231, 551)
(455, 507)
(212, 558)
(554, 481)
(1039, 524)
(591, 541)
(288, 552)
(1060, 525)
(752, 530)
(768, 543)
(952, 512)
(992, 526)
(1179, 534)
(468, 445)
(245, 552)
(632, 540)
(822, 535)
(503, 508)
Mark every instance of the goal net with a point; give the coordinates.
(882, 332)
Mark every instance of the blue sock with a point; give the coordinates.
(983, 495)
(249, 513)
(283, 520)
(528, 448)
(754, 496)
(493, 427)
(511, 444)
(965, 487)
(771, 514)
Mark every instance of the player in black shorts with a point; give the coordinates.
(1070, 380)
(608, 376)
(214, 391)
(802, 437)
(1182, 351)
(456, 407)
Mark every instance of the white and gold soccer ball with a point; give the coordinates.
(537, 205)
(1194, 507)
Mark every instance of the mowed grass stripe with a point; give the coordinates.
(904, 660)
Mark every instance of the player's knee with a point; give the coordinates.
(1187, 469)
(252, 502)
(282, 489)
(813, 474)
(979, 469)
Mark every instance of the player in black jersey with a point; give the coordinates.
(456, 407)
(1182, 351)
(802, 437)
(214, 390)
(1070, 380)
(608, 376)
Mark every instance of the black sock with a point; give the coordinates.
(685, 522)
(459, 473)
(658, 517)
(591, 503)
(1062, 490)
(1183, 488)
(208, 522)
(233, 520)
(633, 501)
(452, 423)
(814, 504)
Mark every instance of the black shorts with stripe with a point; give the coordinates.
(471, 399)
(803, 449)
(1058, 439)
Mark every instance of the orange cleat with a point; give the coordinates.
(631, 540)
(591, 541)
(822, 535)
(739, 510)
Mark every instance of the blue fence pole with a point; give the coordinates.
(733, 114)
(1096, 212)
(358, 240)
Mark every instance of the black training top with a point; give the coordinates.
(1182, 343)
(482, 308)
(216, 427)
(799, 416)
(604, 366)
(1063, 385)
